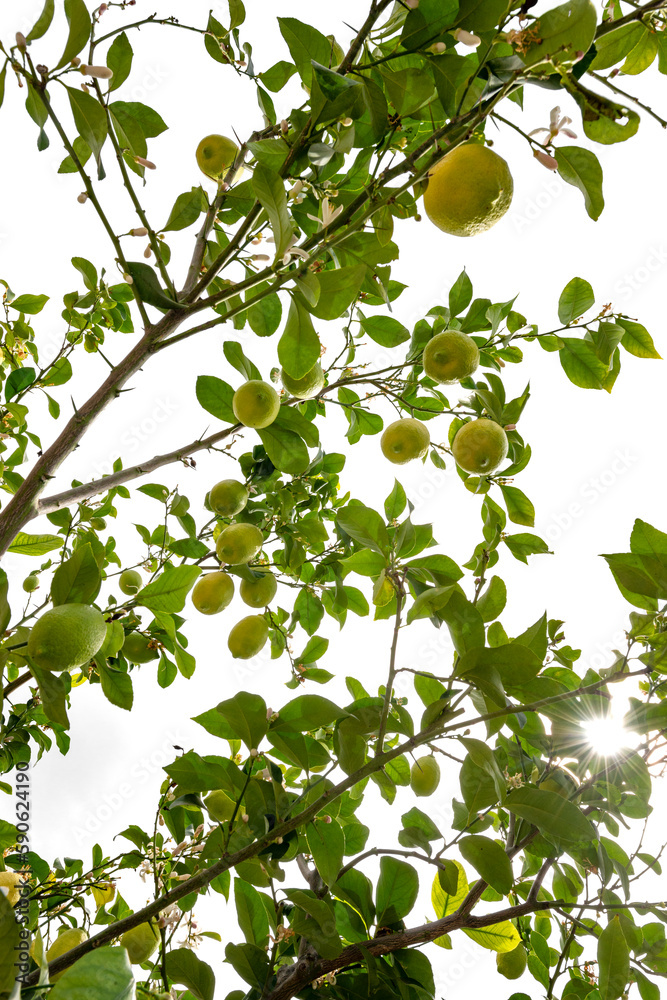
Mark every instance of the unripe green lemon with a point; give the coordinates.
(404, 440)
(98, 523)
(140, 942)
(425, 775)
(31, 583)
(228, 498)
(220, 806)
(256, 404)
(512, 964)
(259, 593)
(468, 191)
(238, 543)
(215, 155)
(136, 648)
(130, 582)
(307, 386)
(248, 637)
(65, 942)
(212, 593)
(11, 882)
(450, 356)
(67, 636)
(480, 446)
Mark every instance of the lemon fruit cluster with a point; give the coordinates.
(469, 190)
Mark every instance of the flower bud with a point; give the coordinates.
(145, 163)
(140, 231)
(260, 256)
(148, 251)
(412, 4)
(85, 88)
(550, 162)
(21, 41)
(82, 198)
(326, 819)
(99, 72)
(254, 752)
(284, 126)
(438, 47)
(75, 61)
(346, 122)
(245, 818)
(128, 278)
(466, 38)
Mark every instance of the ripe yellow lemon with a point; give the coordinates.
(215, 155)
(468, 191)
(404, 440)
(512, 964)
(480, 446)
(248, 637)
(238, 543)
(256, 404)
(258, 593)
(130, 582)
(11, 881)
(136, 648)
(65, 942)
(450, 356)
(307, 386)
(140, 942)
(220, 806)
(67, 636)
(425, 775)
(212, 593)
(228, 497)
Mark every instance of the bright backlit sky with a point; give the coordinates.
(597, 458)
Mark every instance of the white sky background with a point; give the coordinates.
(600, 452)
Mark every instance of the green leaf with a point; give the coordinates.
(169, 591)
(563, 32)
(79, 22)
(103, 974)
(89, 274)
(308, 712)
(519, 507)
(647, 989)
(613, 961)
(285, 448)
(89, 118)
(78, 579)
(613, 47)
(551, 814)
(148, 287)
(430, 601)
(581, 168)
(236, 14)
(119, 60)
(338, 289)
(5, 610)
(216, 397)
(3, 77)
(489, 860)
(447, 892)
(500, 938)
(249, 962)
(186, 969)
(245, 714)
(299, 345)
(576, 298)
(637, 340)
(309, 609)
(384, 330)
(581, 364)
(35, 545)
(364, 526)
(460, 294)
(204, 774)
(18, 381)
(29, 303)
(252, 917)
(480, 15)
(397, 890)
(430, 20)
(270, 192)
(525, 544)
(306, 44)
(395, 503)
(326, 843)
(264, 317)
(603, 121)
(116, 685)
(43, 22)
(53, 695)
(493, 599)
(187, 209)
(237, 359)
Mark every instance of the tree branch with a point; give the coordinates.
(400, 597)
(634, 15)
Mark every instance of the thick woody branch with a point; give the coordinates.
(634, 15)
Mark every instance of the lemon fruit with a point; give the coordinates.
(220, 806)
(260, 591)
(238, 543)
(404, 440)
(136, 648)
(212, 593)
(480, 446)
(130, 582)
(69, 939)
(11, 881)
(248, 637)
(31, 583)
(512, 964)
(450, 356)
(140, 942)
(307, 386)
(425, 776)
(468, 191)
(228, 498)
(67, 636)
(256, 404)
(215, 155)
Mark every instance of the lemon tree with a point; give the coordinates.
(289, 249)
